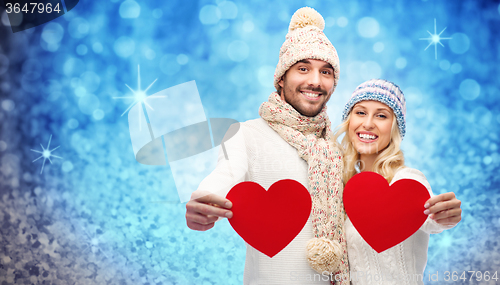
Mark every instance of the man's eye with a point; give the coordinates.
(327, 72)
(302, 68)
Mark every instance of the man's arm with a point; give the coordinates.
(205, 206)
(204, 209)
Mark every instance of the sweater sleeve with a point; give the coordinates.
(232, 165)
(430, 226)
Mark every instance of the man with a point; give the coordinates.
(291, 136)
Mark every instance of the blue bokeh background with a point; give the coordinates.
(96, 216)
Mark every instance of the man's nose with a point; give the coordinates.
(314, 79)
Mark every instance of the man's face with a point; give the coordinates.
(307, 86)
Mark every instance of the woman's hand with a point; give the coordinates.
(444, 209)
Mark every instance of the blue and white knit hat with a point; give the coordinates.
(383, 91)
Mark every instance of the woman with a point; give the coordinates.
(373, 128)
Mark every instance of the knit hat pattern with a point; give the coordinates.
(306, 40)
(382, 91)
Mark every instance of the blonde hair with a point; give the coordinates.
(388, 161)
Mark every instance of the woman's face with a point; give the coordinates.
(370, 126)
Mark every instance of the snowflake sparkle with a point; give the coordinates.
(435, 39)
(139, 95)
(46, 154)
(92, 244)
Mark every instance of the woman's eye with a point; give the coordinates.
(382, 116)
(360, 113)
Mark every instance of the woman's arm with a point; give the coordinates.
(444, 209)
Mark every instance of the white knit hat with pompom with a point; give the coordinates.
(306, 40)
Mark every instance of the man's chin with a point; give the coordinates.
(309, 113)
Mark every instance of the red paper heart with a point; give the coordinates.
(384, 215)
(269, 220)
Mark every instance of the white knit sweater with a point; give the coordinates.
(257, 153)
(402, 264)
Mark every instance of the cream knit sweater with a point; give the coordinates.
(402, 264)
(257, 153)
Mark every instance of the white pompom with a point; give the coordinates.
(306, 16)
(324, 255)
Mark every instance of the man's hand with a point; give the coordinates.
(204, 209)
(444, 209)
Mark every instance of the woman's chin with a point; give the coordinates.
(367, 151)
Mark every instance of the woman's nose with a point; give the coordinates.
(368, 123)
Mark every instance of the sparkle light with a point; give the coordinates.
(444, 241)
(46, 154)
(92, 244)
(435, 39)
(139, 95)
